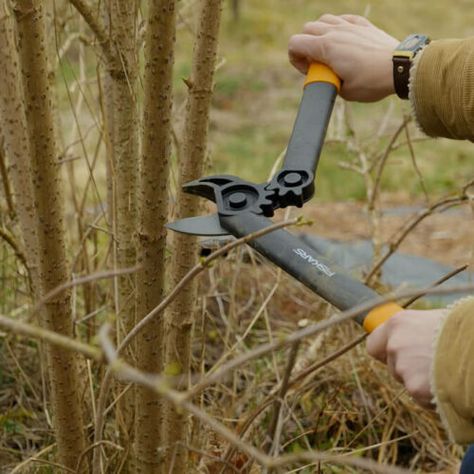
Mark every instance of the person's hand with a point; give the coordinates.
(357, 51)
(405, 344)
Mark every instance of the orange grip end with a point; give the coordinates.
(379, 315)
(319, 72)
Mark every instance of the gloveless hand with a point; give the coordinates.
(357, 51)
(405, 344)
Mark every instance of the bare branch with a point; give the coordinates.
(278, 403)
(439, 206)
(10, 240)
(25, 329)
(98, 28)
(415, 164)
(383, 159)
(82, 281)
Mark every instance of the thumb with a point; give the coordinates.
(377, 343)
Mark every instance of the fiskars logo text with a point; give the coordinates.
(313, 261)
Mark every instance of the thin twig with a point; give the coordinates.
(333, 356)
(27, 461)
(439, 206)
(10, 240)
(278, 403)
(415, 164)
(29, 330)
(444, 278)
(98, 28)
(83, 455)
(61, 467)
(383, 159)
(81, 281)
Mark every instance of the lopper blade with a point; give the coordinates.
(208, 226)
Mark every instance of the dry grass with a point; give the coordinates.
(348, 406)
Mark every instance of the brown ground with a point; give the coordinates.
(447, 237)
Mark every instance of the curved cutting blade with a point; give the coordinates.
(202, 225)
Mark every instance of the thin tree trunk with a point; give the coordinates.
(123, 24)
(180, 317)
(156, 152)
(53, 264)
(116, 36)
(236, 9)
(16, 145)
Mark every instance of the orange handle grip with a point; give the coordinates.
(318, 72)
(379, 315)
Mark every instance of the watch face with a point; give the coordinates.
(413, 42)
(410, 43)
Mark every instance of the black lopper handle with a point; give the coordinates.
(312, 269)
(306, 141)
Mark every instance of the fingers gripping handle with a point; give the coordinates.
(380, 315)
(318, 72)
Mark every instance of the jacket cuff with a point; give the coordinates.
(452, 381)
(442, 89)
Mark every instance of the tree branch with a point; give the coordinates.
(10, 240)
(98, 28)
(28, 330)
(441, 205)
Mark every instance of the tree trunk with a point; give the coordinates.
(114, 24)
(156, 152)
(180, 317)
(16, 145)
(123, 24)
(51, 232)
(236, 9)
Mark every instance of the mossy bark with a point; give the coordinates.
(153, 199)
(185, 252)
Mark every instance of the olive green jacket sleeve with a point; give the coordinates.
(452, 381)
(442, 97)
(442, 89)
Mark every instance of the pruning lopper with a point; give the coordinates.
(244, 207)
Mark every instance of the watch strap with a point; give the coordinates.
(402, 59)
(401, 75)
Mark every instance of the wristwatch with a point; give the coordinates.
(402, 58)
